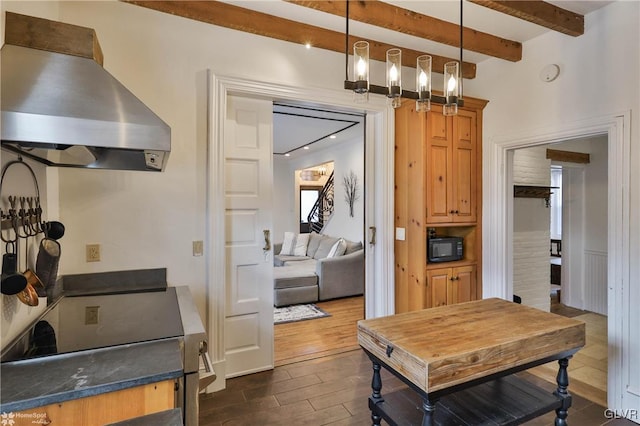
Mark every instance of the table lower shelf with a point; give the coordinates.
(505, 401)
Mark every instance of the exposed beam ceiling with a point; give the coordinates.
(238, 18)
(437, 35)
(405, 21)
(540, 13)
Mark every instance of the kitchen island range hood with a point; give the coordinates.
(62, 108)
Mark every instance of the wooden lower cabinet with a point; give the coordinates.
(104, 408)
(447, 286)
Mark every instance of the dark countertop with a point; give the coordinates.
(165, 418)
(48, 380)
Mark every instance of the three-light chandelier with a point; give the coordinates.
(452, 93)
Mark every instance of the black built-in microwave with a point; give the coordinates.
(444, 249)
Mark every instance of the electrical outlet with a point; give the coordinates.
(198, 248)
(91, 315)
(93, 252)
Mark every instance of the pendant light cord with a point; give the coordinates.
(346, 46)
(461, 31)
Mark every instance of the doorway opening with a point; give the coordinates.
(377, 187)
(560, 246)
(314, 148)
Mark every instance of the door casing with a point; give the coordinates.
(498, 267)
(378, 187)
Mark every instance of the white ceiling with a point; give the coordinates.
(299, 130)
(296, 127)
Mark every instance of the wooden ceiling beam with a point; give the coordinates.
(247, 20)
(540, 13)
(568, 156)
(405, 21)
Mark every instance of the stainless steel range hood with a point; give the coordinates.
(66, 110)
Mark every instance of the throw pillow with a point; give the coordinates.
(338, 248)
(325, 247)
(352, 247)
(294, 245)
(300, 247)
(314, 243)
(288, 244)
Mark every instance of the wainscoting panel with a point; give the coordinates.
(595, 281)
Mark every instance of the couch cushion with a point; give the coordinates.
(300, 247)
(291, 276)
(352, 246)
(325, 247)
(294, 244)
(314, 242)
(281, 259)
(306, 263)
(338, 248)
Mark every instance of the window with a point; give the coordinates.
(308, 197)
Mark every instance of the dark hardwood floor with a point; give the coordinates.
(333, 390)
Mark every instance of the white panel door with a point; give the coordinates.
(249, 264)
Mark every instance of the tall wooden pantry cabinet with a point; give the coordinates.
(438, 190)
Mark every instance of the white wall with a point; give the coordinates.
(590, 85)
(284, 204)
(531, 222)
(348, 156)
(144, 220)
(596, 199)
(586, 196)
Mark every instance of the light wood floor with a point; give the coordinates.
(303, 340)
(588, 367)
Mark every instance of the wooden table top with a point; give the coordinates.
(441, 347)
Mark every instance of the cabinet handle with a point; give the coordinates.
(451, 211)
(454, 278)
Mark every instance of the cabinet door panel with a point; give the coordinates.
(464, 166)
(464, 189)
(438, 282)
(438, 184)
(439, 127)
(439, 170)
(463, 288)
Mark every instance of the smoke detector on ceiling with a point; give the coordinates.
(549, 73)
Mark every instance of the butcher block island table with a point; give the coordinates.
(459, 363)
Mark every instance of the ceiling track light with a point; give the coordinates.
(423, 96)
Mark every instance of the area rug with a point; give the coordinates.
(297, 313)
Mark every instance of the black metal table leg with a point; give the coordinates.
(376, 397)
(563, 382)
(428, 407)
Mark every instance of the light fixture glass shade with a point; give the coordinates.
(310, 174)
(423, 83)
(451, 88)
(394, 76)
(361, 66)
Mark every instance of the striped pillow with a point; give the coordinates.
(294, 245)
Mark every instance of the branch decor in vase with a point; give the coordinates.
(351, 191)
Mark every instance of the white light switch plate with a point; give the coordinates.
(400, 234)
(198, 248)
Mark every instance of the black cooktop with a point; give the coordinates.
(90, 322)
